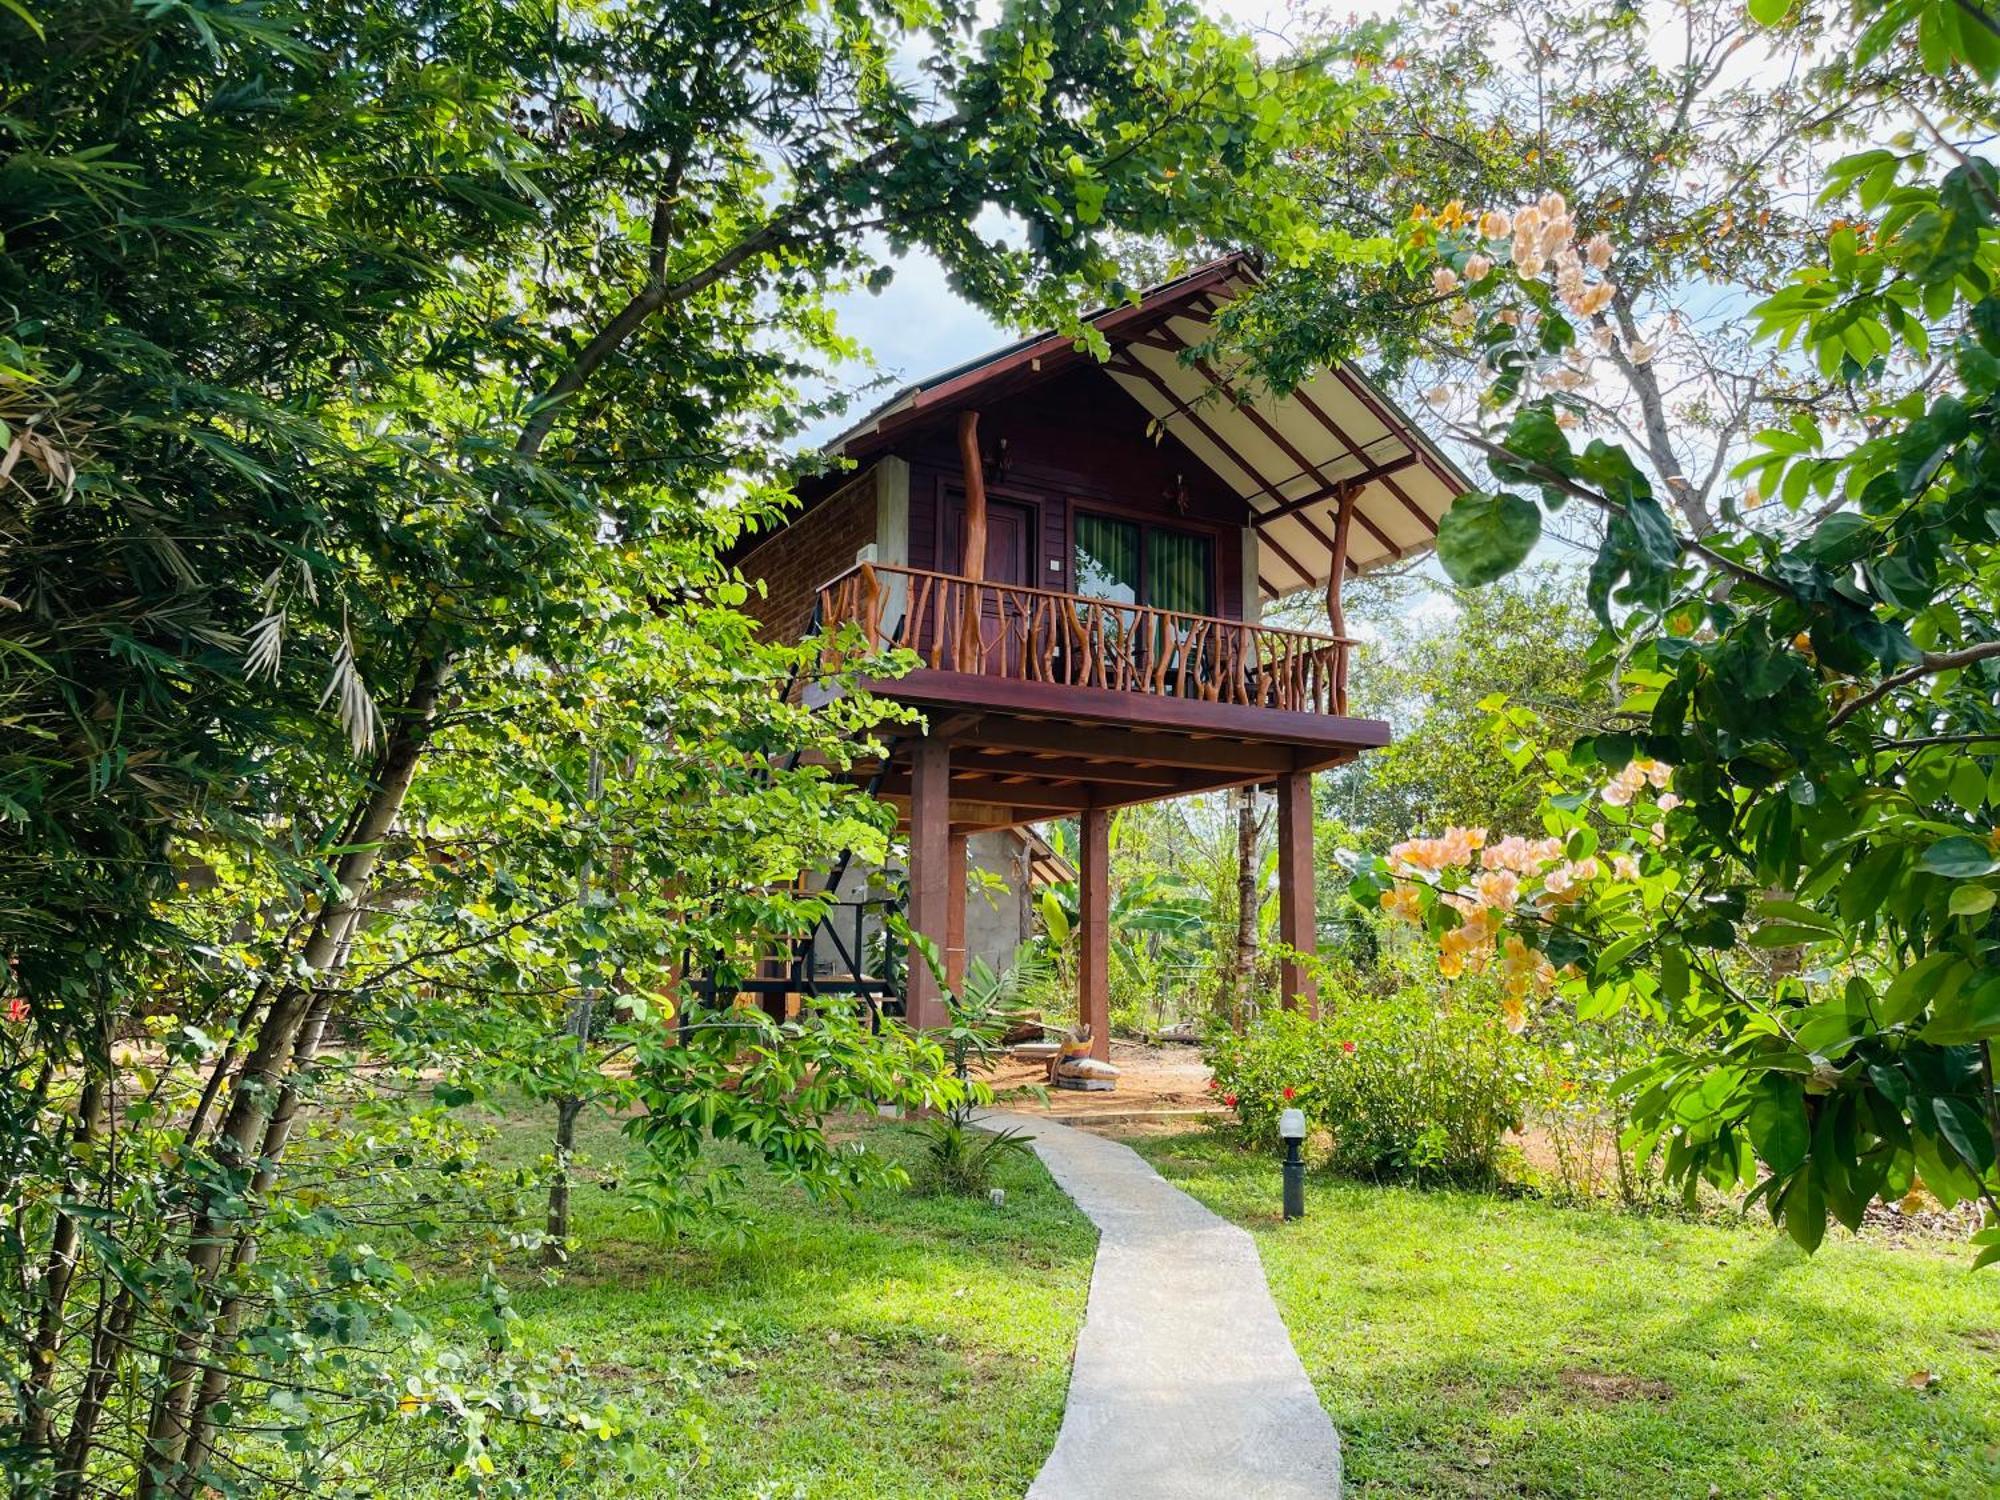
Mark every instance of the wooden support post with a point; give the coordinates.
(1093, 971)
(954, 908)
(970, 651)
(1335, 615)
(1298, 924)
(930, 873)
(973, 564)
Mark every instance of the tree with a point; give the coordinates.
(1431, 673)
(1679, 132)
(1821, 699)
(382, 384)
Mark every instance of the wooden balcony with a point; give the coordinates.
(1067, 651)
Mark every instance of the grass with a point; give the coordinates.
(915, 1346)
(1470, 1345)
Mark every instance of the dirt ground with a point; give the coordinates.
(1168, 1082)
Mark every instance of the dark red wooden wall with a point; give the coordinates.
(1076, 439)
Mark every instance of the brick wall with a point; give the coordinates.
(814, 548)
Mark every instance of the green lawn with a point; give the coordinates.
(919, 1346)
(1469, 1345)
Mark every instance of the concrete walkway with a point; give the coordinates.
(1186, 1383)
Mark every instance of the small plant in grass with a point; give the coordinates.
(958, 1158)
(961, 1159)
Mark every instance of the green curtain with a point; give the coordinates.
(1179, 572)
(1106, 565)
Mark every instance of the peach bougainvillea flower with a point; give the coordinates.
(1498, 889)
(1401, 901)
(1524, 970)
(1444, 281)
(1565, 882)
(1478, 267)
(1495, 224)
(1522, 856)
(1598, 251)
(1455, 846)
(1625, 867)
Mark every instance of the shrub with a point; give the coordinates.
(1417, 1084)
(963, 1160)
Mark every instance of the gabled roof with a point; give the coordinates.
(1290, 458)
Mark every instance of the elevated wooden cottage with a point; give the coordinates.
(1079, 552)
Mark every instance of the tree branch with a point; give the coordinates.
(1933, 662)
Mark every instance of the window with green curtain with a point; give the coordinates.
(1106, 564)
(1180, 570)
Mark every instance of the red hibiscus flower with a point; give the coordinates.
(1230, 1100)
(1290, 1094)
(17, 1010)
(1347, 1047)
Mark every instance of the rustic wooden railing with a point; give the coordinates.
(1038, 635)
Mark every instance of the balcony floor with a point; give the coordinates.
(1022, 752)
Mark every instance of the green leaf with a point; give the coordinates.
(1960, 1123)
(1931, 980)
(1486, 536)
(1960, 858)
(1968, 785)
(1805, 1212)
(1777, 1124)
(1054, 918)
(1970, 1015)
(1769, 12)
(1972, 901)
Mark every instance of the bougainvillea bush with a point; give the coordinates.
(1418, 1082)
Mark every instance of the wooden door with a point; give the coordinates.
(1010, 535)
(1010, 559)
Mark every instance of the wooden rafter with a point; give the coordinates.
(1178, 406)
(1312, 408)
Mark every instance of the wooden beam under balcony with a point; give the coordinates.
(1187, 752)
(1135, 710)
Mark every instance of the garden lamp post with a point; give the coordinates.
(1292, 1131)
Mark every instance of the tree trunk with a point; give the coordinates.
(215, 1379)
(56, 1278)
(555, 1249)
(107, 1348)
(1246, 906)
(272, 1056)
